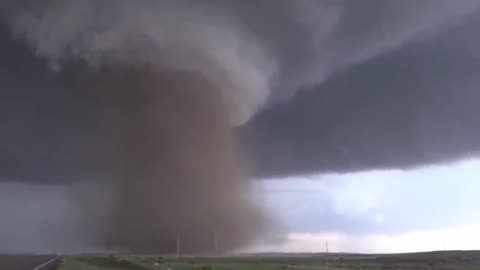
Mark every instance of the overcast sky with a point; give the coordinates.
(400, 95)
(431, 208)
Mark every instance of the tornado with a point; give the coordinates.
(160, 88)
(180, 176)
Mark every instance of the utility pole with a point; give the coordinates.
(326, 246)
(215, 243)
(178, 246)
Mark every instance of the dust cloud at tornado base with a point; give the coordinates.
(178, 171)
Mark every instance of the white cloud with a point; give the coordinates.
(458, 238)
(391, 201)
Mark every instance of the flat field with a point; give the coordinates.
(445, 260)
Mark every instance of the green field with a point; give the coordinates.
(428, 261)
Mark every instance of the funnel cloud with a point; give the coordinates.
(178, 175)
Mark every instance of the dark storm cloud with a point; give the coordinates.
(412, 107)
(307, 42)
(142, 97)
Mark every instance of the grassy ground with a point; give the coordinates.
(344, 262)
